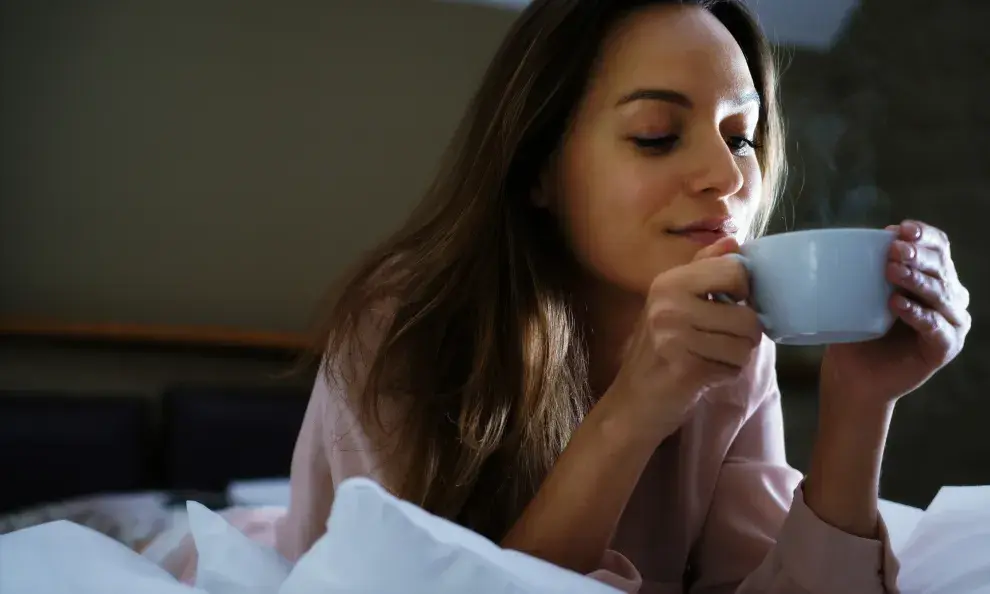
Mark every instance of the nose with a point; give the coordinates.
(715, 173)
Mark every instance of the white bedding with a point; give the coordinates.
(376, 544)
(133, 519)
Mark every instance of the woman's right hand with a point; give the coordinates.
(686, 343)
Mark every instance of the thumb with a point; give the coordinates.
(726, 245)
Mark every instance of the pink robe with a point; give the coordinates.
(716, 511)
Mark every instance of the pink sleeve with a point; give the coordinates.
(346, 451)
(758, 519)
(331, 447)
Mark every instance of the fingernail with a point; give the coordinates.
(913, 230)
(901, 303)
(903, 271)
(906, 251)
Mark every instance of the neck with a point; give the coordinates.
(609, 318)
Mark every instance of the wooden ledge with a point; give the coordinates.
(789, 371)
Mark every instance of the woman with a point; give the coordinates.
(534, 354)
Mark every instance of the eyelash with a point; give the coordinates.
(664, 144)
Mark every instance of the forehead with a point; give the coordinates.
(682, 48)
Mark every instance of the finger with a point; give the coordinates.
(962, 295)
(731, 351)
(921, 233)
(726, 245)
(735, 320)
(924, 320)
(934, 330)
(705, 277)
(929, 291)
(930, 260)
(725, 318)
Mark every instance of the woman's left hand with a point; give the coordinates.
(931, 322)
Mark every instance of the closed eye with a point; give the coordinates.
(656, 144)
(740, 145)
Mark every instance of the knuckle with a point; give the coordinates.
(941, 257)
(669, 344)
(925, 285)
(964, 296)
(942, 290)
(664, 312)
(929, 284)
(967, 321)
(938, 292)
(919, 279)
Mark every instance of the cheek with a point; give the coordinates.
(751, 194)
(609, 204)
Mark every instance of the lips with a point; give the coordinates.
(707, 231)
(723, 225)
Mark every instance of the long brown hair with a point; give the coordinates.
(479, 347)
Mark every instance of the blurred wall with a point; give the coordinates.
(217, 163)
(891, 124)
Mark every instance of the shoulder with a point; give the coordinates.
(358, 436)
(351, 347)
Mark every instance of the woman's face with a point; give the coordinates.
(659, 160)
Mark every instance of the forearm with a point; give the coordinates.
(571, 520)
(843, 485)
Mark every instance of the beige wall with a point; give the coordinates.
(217, 162)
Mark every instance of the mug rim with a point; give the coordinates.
(827, 231)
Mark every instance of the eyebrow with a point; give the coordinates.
(678, 98)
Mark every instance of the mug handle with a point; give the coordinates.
(724, 298)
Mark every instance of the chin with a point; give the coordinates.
(676, 251)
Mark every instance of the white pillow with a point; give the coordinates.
(378, 543)
(65, 558)
(230, 562)
(949, 550)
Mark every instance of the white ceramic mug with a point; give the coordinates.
(821, 286)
